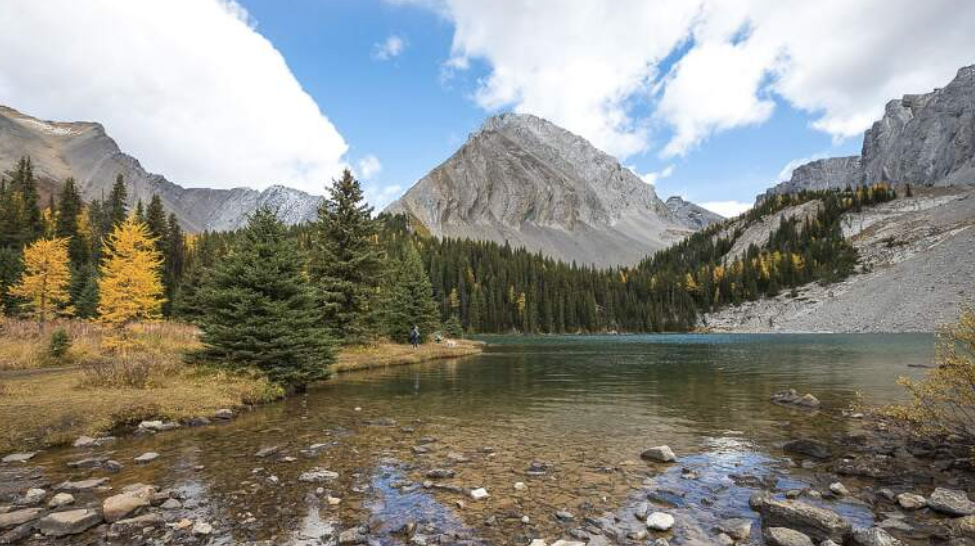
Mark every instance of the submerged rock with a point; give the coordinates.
(147, 457)
(317, 475)
(792, 398)
(82, 485)
(807, 447)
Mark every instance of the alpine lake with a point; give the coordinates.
(552, 428)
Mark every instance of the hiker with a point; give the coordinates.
(415, 336)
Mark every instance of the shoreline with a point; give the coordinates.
(44, 407)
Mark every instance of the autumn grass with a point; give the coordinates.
(386, 354)
(98, 389)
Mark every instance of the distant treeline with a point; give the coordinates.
(474, 287)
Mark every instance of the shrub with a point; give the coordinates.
(139, 371)
(58, 346)
(943, 402)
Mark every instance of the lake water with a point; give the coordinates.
(567, 416)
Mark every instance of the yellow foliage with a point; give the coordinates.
(797, 262)
(689, 284)
(130, 287)
(46, 278)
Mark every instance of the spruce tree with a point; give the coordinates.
(155, 215)
(259, 310)
(344, 260)
(22, 182)
(409, 298)
(70, 208)
(174, 253)
(116, 209)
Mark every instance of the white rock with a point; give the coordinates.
(479, 493)
(60, 499)
(19, 457)
(661, 454)
(317, 475)
(520, 486)
(147, 457)
(202, 528)
(659, 521)
(839, 489)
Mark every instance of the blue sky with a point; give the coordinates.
(708, 99)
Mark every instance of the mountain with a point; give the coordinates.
(523, 180)
(922, 140)
(84, 151)
(690, 215)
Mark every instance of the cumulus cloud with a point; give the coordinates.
(187, 86)
(728, 209)
(596, 67)
(653, 176)
(389, 48)
(368, 167)
(381, 196)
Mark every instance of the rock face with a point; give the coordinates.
(85, 152)
(923, 140)
(525, 181)
(690, 215)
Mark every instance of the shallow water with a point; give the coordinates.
(582, 408)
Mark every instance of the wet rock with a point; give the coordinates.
(568, 543)
(171, 504)
(352, 536)
(964, 526)
(32, 496)
(137, 523)
(792, 398)
(130, 501)
(479, 494)
(839, 489)
(807, 447)
(224, 413)
(60, 500)
(267, 451)
(113, 466)
(819, 523)
(317, 475)
(660, 454)
(664, 497)
(19, 517)
(758, 499)
(17, 534)
(84, 441)
(873, 536)
(782, 536)
(197, 421)
(72, 522)
(911, 501)
(457, 458)
(202, 528)
(660, 521)
(420, 450)
(739, 529)
(382, 422)
(562, 515)
(725, 540)
(19, 457)
(88, 462)
(896, 524)
(157, 426)
(440, 473)
(951, 502)
(146, 457)
(82, 485)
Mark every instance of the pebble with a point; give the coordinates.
(661, 454)
(839, 489)
(19, 457)
(660, 521)
(60, 499)
(479, 494)
(147, 457)
(520, 486)
(202, 528)
(911, 501)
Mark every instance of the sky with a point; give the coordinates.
(712, 100)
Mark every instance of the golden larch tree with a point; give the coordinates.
(46, 279)
(130, 287)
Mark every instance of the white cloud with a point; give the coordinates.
(187, 86)
(389, 48)
(379, 197)
(786, 173)
(594, 66)
(653, 176)
(728, 209)
(368, 167)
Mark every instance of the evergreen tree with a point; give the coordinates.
(409, 299)
(140, 212)
(84, 291)
(174, 252)
(70, 210)
(22, 182)
(344, 259)
(116, 210)
(259, 310)
(157, 223)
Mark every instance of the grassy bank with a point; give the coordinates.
(48, 401)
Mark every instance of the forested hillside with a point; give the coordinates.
(477, 287)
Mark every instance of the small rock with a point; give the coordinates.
(147, 457)
(202, 528)
(911, 501)
(157, 426)
(224, 413)
(839, 489)
(83, 485)
(781, 536)
(198, 421)
(32, 497)
(440, 473)
(138, 523)
(352, 536)
(182, 524)
(662, 454)
(568, 543)
(739, 529)
(171, 504)
(791, 398)
(84, 441)
(562, 515)
(88, 462)
(807, 447)
(317, 475)
(333, 501)
(964, 526)
(520, 486)
(457, 458)
(71, 522)
(112, 466)
(267, 451)
(537, 542)
(61, 499)
(479, 494)
(659, 521)
(19, 457)
(951, 502)
(873, 536)
(19, 517)
(125, 504)
(420, 450)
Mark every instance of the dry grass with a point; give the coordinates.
(390, 354)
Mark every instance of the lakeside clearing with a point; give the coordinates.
(90, 391)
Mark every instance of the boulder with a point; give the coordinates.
(660, 454)
(911, 501)
(72, 522)
(782, 536)
(19, 517)
(125, 504)
(807, 447)
(660, 521)
(873, 536)
(818, 523)
(951, 502)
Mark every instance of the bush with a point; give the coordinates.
(139, 371)
(58, 346)
(943, 402)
